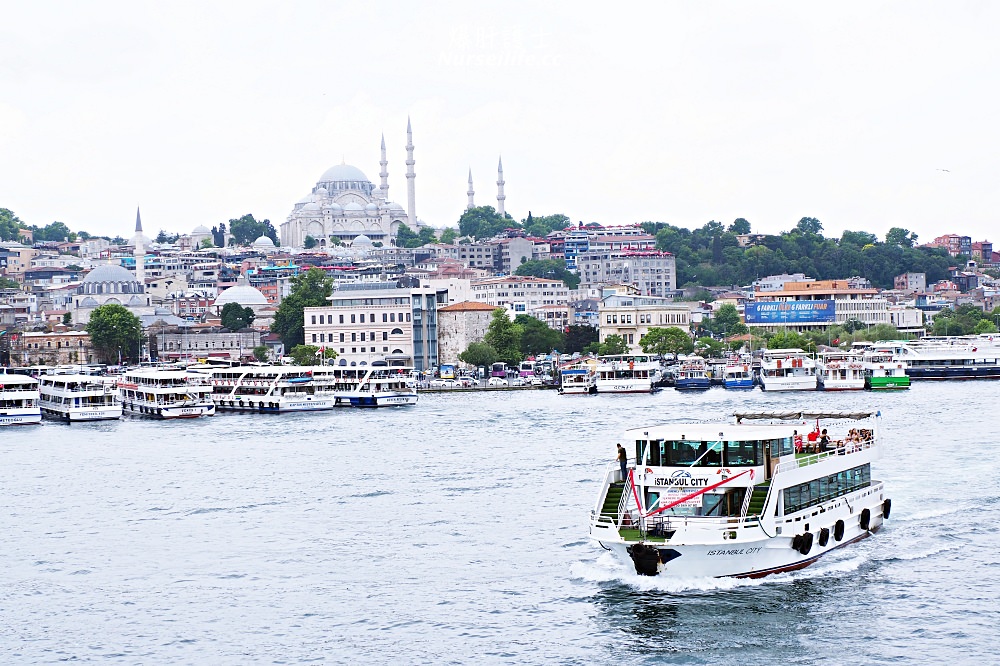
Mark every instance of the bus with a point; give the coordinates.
(527, 369)
(498, 370)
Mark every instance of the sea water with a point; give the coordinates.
(455, 531)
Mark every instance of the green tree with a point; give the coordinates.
(984, 326)
(67, 319)
(479, 354)
(310, 355)
(260, 353)
(405, 237)
(235, 317)
(448, 236)
(739, 226)
(505, 337)
(552, 269)
(666, 341)
(162, 237)
(537, 337)
(9, 225)
(426, 235)
(901, 237)
(726, 321)
(483, 222)
(709, 347)
(309, 242)
(614, 344)
(809, 225)
(790, 340)
(7, 283)
(115, 333)
(578, 338)
(246, 230)
(543, 225)
(309, 290)
(206, 244)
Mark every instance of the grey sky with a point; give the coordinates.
(680, 112)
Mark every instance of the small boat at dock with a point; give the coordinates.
(19, 400)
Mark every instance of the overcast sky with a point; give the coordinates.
(678, 112)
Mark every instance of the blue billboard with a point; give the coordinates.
(790, 312)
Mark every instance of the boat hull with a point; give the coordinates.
(376, 400)
(625, 386)
(887, 383)
(271, 406)
(578, 390)
(783, 384)
(693, 384)
(738, 384)
(168, 412)
(842, 385)
(988, 372)
(26, 417)
(74, 415)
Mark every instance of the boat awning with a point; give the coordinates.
(798, 416)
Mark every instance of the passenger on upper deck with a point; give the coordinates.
(824, 441)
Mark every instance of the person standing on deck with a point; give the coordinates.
(622, 460)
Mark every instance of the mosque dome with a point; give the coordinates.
(304, 200)
(109, 273)
(263, 241)
(241, 294)
(200, 229)
(372, 208)
(393, 206)
(361, 240)
(321, 191)
(311, 207)
(343, 172)
(335, 208)
(353, 208)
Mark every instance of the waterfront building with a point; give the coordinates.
(56, 348)
(653, 273)
(849, 302)
(520, 294)
(190, 342)
(631, 316)
(459, 325)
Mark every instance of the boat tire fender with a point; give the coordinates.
(866, 519)
(645, 558)
(886, 508)
(824, 537)
(797, 541)
(838, 530)
(807, 543)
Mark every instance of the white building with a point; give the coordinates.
(652, 273)
(631, 317)
(520, 295)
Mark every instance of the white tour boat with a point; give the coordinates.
(165, 394)
(787, 370)
(279, 389)
(76, 397)
(381, 386)
(579, 379)
(627, 373)
(956, 357)
(720, 499)
(840, 371)
(882, 372)
(19, 400)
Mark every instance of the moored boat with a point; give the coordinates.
(965, 357)
(840, 371)
(165, 394)
(19, 400)
(736, 500)
(279, 389)
(77, 397)
(381, 386)
(787, 370)
(627, 373)
(882, 372)
(692, 375)
(738, 376)
(578, 379)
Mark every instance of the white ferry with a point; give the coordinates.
(381, 386)
(882, 372)
(840, 371)
(710, 500)
(19, 400)
(579, 379)
(627, 373)
(76, 397)
(787, 370)
(964, 357)
(280, 389)
(165, 394)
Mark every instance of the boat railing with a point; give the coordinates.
(623, 503)
(845, 448)
(746, 502)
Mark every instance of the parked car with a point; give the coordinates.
(439, 383)
(517, 381)
(536, 381)
(497, 381)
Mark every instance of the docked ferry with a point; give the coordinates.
(165, 394)
(882, 372)
(19, 400)
(692, 375)
(840, 371)
(76, 397)
(787, 370)
(380, 386)
(958, 357)
(715, 499)
(578, 379)
(280, 389)
(627, 373)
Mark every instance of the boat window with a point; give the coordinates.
(782, 447)
(745, 453)
(640, 451)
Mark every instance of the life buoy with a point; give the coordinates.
(807, 543)
(866, 519)
(824, 537)
(838, 530)
(886, 508)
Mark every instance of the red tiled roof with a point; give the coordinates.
(468, 306)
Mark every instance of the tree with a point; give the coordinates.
(67, 319)
(206, 244)
(309, 242)
(505, 337)
(7, 283)
(543, 225)
(483, 222)
(984, 326)
(579, 338)
(790, 340)
(426, 235)
(260, 353)
(235, 317)
(115, 333)
(739, 226)
(726, 321)
(537, 337)
(552, 269)
(666, 341)
(809, 225)
(709, 347)
(10, 224)
(309, 290)
(479, 354)
(310, 354)
(246, 230)
(901, 237)
(614, 344)
(405, 237)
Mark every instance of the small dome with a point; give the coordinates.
(263, 241)
(335, 208)
(353, 207)
(109, 273)
(200, 229)
(311, 207)
(304, 200)
(89, 302)
(321, 191)
(361, 240)
(395, 206)
(372, 208)
(242, 294)
(343, 172)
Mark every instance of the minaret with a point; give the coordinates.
(384, 173)
(139, 252)
(411, 202)
(501, 197)
(471, 193)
